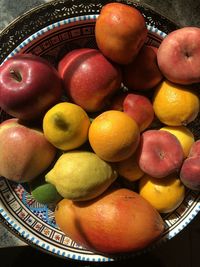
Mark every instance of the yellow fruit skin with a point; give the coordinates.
(81, 175)
(114, 135)
(66, 126)
(175, 105)
(184, 135)
(165, 194)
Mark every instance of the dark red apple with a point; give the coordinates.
(143, 73)
(29, 85)
(89, 78)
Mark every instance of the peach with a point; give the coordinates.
(120, 32)
(159, 153)
(24, 151)
(190, 173)
(195, 149)
(117, 221)
(143, 73)
(179, 56)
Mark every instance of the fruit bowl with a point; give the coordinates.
(50, 31)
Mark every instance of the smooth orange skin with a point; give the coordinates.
(120, 32)
(120, 220)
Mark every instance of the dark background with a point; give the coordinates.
(182, 250)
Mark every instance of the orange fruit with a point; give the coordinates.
(129, 169)
(175, 105)
(114, 136)
(165, 195)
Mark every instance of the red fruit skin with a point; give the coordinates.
(140, 109)
(159, 153)
(181, 48)
(143, 73)
(190, 173)
(89, 78)
(39, 86)
(195, 149)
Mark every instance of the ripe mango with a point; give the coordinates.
(117, 221)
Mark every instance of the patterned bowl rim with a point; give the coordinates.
(15, 49)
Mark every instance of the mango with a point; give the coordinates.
(117, 221)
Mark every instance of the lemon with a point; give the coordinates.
(80, 175)
(66, 126)
(175, 105)
(165, 194)
(184, 135)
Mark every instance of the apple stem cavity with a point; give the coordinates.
(16, 75)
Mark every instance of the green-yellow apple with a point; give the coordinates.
(24, 151)
(29, 85)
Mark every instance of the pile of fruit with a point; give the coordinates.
(118, 153)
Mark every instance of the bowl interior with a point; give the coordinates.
(34, 222)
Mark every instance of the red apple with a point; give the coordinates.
(143, 73)
(179, 56)
(137, 106)
(29, 85)
(120, 32)
(89, 78)
(24, 151)
(159, 153)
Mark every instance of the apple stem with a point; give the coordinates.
(16, 75)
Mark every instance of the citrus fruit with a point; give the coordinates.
(43, 192)
(129, 169)
(164, 194)
(80, 175)
(66, 126)
(113, 135)
(175, 105)
(184, 135)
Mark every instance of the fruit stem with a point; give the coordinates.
(16, 75)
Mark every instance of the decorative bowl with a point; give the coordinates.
(50, 30)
